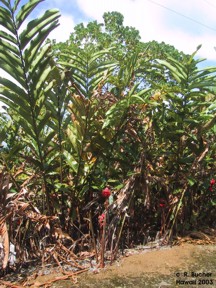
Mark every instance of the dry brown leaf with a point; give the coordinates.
(5, 242)
(9, 284)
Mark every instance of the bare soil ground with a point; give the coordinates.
(160, 268)
(165, 267)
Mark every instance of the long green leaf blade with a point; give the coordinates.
(35, 45)
(8, 37)
(6, 20)
(16, 3)
(25, 11)
(5, 3)
(35, 26)
(11, 48)
(44, 121)
(11, 70)
(15, 88)
(39, 58)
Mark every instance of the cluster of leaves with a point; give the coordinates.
(99, 108)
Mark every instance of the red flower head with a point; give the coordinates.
(106, 192)
(212, 182)
(101, 219)
(162, 203)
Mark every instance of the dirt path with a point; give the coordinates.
(181, 266)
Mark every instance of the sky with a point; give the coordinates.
(183, 24)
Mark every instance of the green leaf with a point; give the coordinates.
(8, 37)
(100, 142)
(88, 70)
(12, 86)
(40, 76)
(41, 55)
(15, 98)
(25, 11)
(101, 68)
(3, 135)
(202, 85)
(116, 113)
(191, 181)
(179, 76)
(31, 52)
(35, 26)
(213, 203)
(71, 161)
(36, 163)
(22, 111)
(43, 121)
(141, 93)
(48, 138)
(41, 81)
(14, 71)
(16, 3)
(5, 3)
(9, 47)
(11, 60)
(14, 151)
(74, 65)
(53, 155)
(74, 137)
(31, 143)
(6, 22)
(27, 128)
(97, 55)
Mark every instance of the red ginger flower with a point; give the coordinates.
(106, 192)
(162, 202)
(162, 205)
(101, 219)
(212, 182)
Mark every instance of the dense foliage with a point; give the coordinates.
(102, 109)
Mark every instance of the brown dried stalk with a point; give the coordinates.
(65, 277)
(9, 284)
(103, 240)
(4, 238)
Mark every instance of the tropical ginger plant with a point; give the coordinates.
(24, 57)
(87, 120)
(185, 121)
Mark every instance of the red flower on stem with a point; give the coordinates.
(212, 182)
(101, 220)
(106, 192)
(162, 203)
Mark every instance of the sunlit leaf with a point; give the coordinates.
(25, 11)
(71, 161)
(36, 25)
